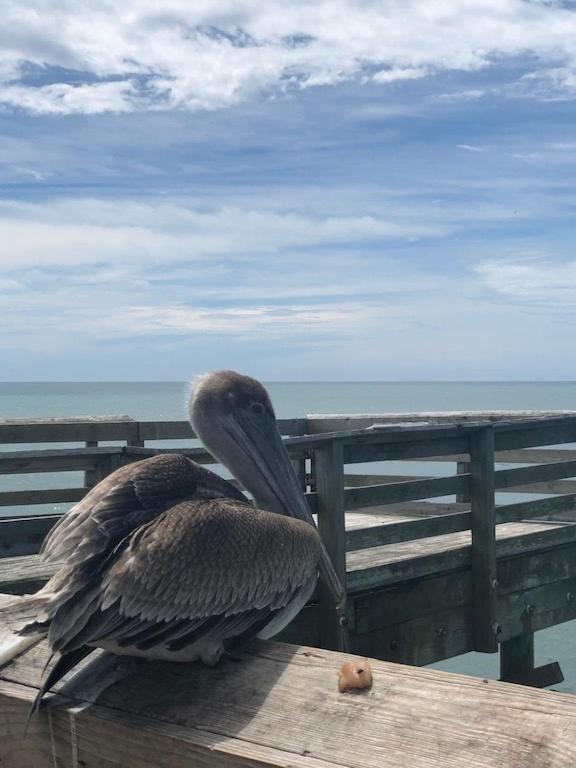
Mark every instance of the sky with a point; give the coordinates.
(300, 190)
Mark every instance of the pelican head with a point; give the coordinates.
(233, 416)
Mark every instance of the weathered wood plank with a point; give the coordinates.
(68, 430)
(525, 603)
(502, 486)
(331, 525)
(382, 566)
(42, 496)
(483, 551)
(97, 428)
(508, 478)
(318, 423)
(54, 460)
(531, 434)
(24, 535)
(391, 533)
(394, 493)
(280, 707)
(182, 430)
(525, 510)
(520, 456)
(362, 453)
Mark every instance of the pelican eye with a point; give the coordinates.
(257, 408)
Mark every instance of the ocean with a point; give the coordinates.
(166, 400)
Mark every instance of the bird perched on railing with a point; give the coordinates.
(167, 560)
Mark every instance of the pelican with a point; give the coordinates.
(165, 559)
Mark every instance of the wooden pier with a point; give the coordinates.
(433, 568)
(426, 580)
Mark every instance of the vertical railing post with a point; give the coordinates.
(483, 524)
(463, 468)
(330, 500)
(91, 476)
(299, 465)
(136, 442)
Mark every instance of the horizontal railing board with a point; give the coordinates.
(106, 428)
(551, 486)
(181, 430)
(508, 436)
(356, 454)
(525, 510)
(72, 430)
(520, 456)
(54, 460)
(508, 478)
(42, 496)
(394, 533)
(318, 423)
(361, 577)
(394, 493)
(83, 429)
(199, 455)
(165, 430)
(24, 535)
(530, 435)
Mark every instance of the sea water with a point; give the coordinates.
(166, 401)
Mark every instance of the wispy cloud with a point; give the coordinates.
(206, 55)
(536, 282)
(91, 231)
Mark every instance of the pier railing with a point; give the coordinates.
(324, 450)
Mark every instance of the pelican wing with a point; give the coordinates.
(129, 497)
(213, 569)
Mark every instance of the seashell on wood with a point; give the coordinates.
(354, 675)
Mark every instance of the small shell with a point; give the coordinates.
(354, 675)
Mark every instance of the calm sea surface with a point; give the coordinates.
(166, 400)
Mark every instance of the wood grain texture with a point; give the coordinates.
(279, 706)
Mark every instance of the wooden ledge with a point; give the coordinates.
(278, 705)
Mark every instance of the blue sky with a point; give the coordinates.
(338, 190)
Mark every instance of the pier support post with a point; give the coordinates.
(330, 498)
(517, 664)
(484, 578)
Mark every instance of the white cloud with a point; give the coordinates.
(465, 95)
(64, 99)
(390, 75)
(537, 282)
(213, 53)
(470, 148)
(279, 320)
(83, 232)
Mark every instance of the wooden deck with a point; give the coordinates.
(278, 705)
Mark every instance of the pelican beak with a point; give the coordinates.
(281, 491)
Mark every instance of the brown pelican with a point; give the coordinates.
(167, 560)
